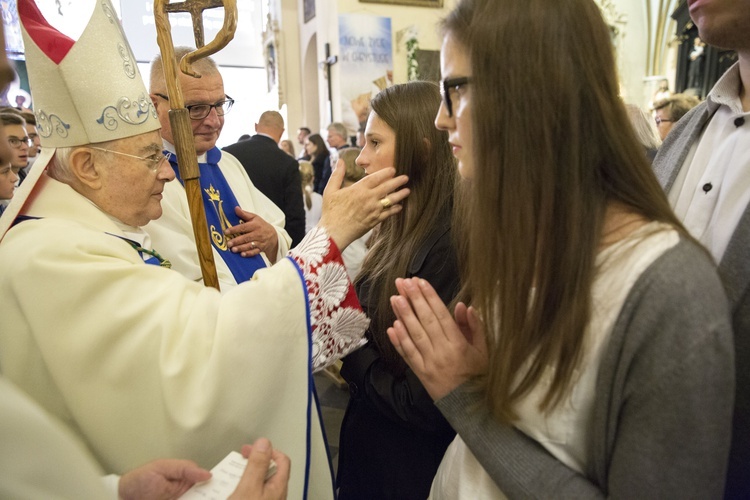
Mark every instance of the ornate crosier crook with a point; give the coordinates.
(179, 117)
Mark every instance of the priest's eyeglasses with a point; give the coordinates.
(153, 162)
(450, 87)
(200, 111)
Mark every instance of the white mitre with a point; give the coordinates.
(84, 91)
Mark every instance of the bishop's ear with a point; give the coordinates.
(86, 166)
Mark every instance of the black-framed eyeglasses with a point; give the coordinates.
(200, 111)
(660, 120)
(451, 85)
(17, 142)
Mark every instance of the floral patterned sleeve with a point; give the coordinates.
(336, 318)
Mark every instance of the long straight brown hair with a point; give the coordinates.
(552, 148)
(424, 154)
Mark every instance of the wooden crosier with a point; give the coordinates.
(179, 117)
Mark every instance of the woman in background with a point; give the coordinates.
(316, 148)
(392, 437)
(287, 146)
(599, 337)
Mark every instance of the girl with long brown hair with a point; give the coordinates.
(597, 357)
(392, 437)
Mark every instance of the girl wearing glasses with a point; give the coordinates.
(596, 359)
(393, 437)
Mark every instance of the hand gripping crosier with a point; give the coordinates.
(178, 115)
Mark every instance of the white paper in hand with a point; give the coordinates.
(225, 478)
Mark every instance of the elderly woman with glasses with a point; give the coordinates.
(669, 110)
(596, 359)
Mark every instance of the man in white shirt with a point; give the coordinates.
(257, 237)
(704, 165)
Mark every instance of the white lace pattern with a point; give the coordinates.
(338, 323)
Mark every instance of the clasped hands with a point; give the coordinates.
(443, 351)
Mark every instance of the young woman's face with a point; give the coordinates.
(310, 147)
(380, 145)
(454, 63)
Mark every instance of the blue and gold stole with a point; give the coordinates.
(219, 202)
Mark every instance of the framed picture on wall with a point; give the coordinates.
(413, 3)
(273, 56)
(309, 10)
(271, 65)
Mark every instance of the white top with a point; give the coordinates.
(354, 255)
(712, 189)
(312, 214)
(564, 431)
(142, 363)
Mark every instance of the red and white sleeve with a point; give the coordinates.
(336, 317)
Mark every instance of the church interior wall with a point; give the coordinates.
(636, 20)
(301, 93)
(323, 29)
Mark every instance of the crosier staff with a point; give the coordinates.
(179, 117)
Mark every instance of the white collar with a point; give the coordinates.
(726, 91)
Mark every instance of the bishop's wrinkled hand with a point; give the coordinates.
(348, 213)
(161, 479)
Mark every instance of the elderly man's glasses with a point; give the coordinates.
(153, 162)
(659, 120)
(200, 111)
(17, 142)
(449, 90)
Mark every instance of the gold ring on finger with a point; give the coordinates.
(386, 203)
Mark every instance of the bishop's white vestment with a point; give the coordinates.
(142, 363)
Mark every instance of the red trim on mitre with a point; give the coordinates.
(48, 39)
